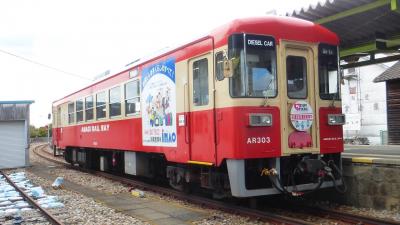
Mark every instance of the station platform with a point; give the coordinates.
(374, 154)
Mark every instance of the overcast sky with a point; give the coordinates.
(85, 38)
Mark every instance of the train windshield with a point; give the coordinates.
(254, 66)
(328, 72)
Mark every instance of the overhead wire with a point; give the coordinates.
(44, 65)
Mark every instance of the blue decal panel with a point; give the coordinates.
(159, 104)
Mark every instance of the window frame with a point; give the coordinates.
(89, 108)
(125, 98)
(71, 115)
(105, 105)
(199, 83)
(233, 40)
(81, 111)
(219, 72)
(304, 82)
(114, 102)
(335, 52)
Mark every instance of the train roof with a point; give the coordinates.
(280, 27)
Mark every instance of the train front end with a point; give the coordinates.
(280, 130)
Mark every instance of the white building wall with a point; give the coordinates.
(362, 97)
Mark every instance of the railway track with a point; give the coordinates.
(353, 217)
(330, 214)
(51, 218)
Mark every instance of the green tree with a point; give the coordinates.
(38, 132)
(33, 131)
(42, 132)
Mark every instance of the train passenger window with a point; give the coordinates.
(328, 72)
(296, 72)
(132, 97)
(115, 101)
(89, 108)
(101, 105)
(71, 113)
(79, 110)
(200, 82)
(219, 66)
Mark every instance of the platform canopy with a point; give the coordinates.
(365, 28)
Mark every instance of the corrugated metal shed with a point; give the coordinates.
(393, 111)
(392, 78)
(390, 74)
(14, 134)
(13, 111)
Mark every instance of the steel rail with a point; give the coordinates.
(49, 156)
(46, 213)
(355, 218)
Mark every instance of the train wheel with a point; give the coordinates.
(176, 178)
(181, 186)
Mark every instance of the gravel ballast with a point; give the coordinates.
(84, 210)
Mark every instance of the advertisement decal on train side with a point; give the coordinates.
(159, 104)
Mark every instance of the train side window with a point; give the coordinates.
(328, 72)
(71, 112)
(79, 110)
(219, 66)
(200, 82)
(115, 101)
(101, 105)
(89, 108)
(296, 72)
(132, 97)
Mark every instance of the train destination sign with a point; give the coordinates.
(327, 50)
(301, 115)
(259, 41)
(159, 104)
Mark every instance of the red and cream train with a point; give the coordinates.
(251, 109)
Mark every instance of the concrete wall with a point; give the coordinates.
(372, 185)
(375, 186)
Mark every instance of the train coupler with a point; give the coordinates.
(316, 170)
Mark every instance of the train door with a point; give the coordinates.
(299, 114)
(201, 109)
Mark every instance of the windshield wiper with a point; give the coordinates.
(334, 96)
(265, 93)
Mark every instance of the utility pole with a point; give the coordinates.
(48, 130)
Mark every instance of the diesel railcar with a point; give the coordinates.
(251, 109)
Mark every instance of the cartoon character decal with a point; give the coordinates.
(158, 93)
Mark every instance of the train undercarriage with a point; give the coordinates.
(294, 175)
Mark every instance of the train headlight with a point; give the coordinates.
(336, 119)
(260, 119)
